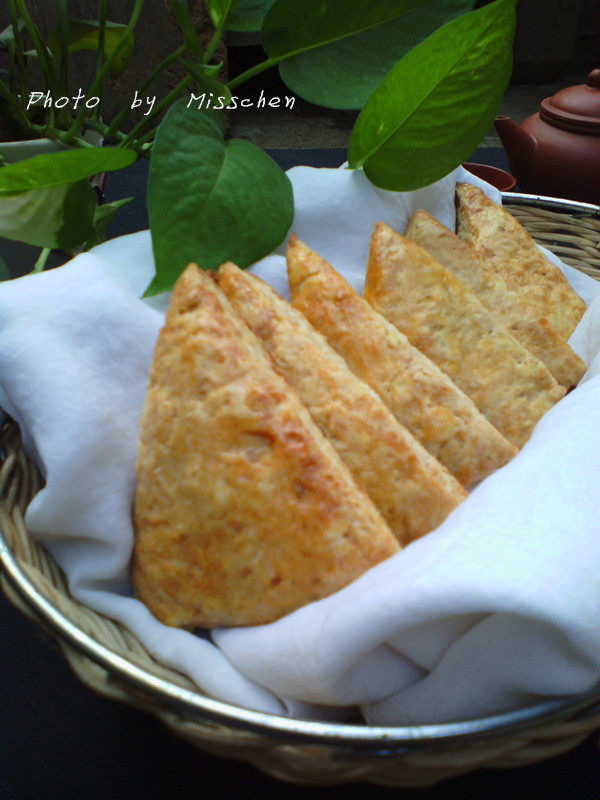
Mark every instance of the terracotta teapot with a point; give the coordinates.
(557, 151)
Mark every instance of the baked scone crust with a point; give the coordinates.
(243, 510)
(411, 489)
(417, 392)
(503, 243)
(523, 321)
(441, 317)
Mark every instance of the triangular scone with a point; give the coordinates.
(243, 510)
(503, 243)
(411, 489)
(441, 317)
(417, 392)
(521, 320)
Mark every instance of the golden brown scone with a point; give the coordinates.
(417, 392)
(522, 321)
(503, 243)
(411, 489)
(441, 317)
(243, 510)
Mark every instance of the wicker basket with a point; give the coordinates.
(107, 658)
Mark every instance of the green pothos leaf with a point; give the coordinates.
(103, 216)
(336, 53)
(66, 166)
(84, 35)
(434, 107)
(59, 217)
(211, 200)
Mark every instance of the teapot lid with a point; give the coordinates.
(576, 108)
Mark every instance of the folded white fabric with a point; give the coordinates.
(496, 608)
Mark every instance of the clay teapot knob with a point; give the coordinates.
(594, 79)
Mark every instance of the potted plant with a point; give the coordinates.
(46, 116)
(428, 75)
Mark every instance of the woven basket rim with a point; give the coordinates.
(170, 695)
(198, 705)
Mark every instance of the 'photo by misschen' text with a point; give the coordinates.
(206, 100)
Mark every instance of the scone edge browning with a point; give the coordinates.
(441, 317)
(498, 238)
(243, 511)
(415, 390)
(412, 490)
(523, 321)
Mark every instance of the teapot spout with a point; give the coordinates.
(519, 145)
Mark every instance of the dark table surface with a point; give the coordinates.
(61, 741)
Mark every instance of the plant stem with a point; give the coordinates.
(103, 71)
(42, 259)
(64, 116)
(60, 136)
(20, 58)
(250, 73)
(199, 75)
(16, 109)
(217, 36)
(100, 51)
(141, 140)
(185, 22)
(100, 127)
(117, 137)
(12, 78)
(164, 103)
(124, 113)
(45, 63)
(63, 75)
(175, 56)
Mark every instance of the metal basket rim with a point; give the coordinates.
(557, 203)
(194, 705)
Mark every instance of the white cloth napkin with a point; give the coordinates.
(496, 608)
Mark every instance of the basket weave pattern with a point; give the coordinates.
(577, 241)
(574, 238)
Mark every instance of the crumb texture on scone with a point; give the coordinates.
(503, 243)
(523, 321)
(411, 489)
(243, 511)
(417, 392)
(441, 317)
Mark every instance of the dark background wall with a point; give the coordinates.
(553, 36)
